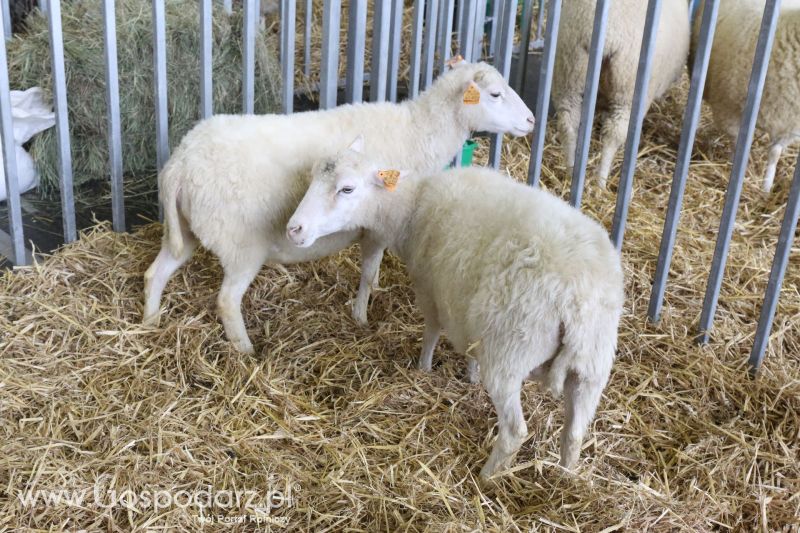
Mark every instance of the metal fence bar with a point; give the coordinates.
(480, 21)
(114, 127)
(691, 120)
(416, 48)
(638, 109)
(309, 11)
(782, 252)
(329, 70)
(62, 122)
(766, 37)
(497, 7)
(160, 83)
(524, 44)
(430, 43)
(395, 34)
(227, 5)
(503, 63)
(380, 50)
(543, 97)
(540, 22)
(356, 43)
(288, 14)
(459, 18)
(6, 18)
(589, 101)
(17, 245)
(445, 32)
(206, 88)
(249, 57)
(468, 35)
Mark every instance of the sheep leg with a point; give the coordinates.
(580, 402)
(371, 256)
(229, 301)
(775, 152)
(429, 339)
(614, 131)
(512, 429)
(473, 371)
(160, 272)
(568, 118)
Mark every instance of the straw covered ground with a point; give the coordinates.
(333, 425)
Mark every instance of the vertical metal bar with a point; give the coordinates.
(160, 86)
(503, 64)
(206, 95)
(480, 18)
(249, 57)
(638, 109)
(6, 18)
(543, 97)
(288, 13)
(766, 37)
(307, 38)
(691, 120)
(10, 160)
(540, 22)
(114, 128)
(430, 43)
(779, 263)
(468, 35)
(380, 50)
(589, 101)
(62, 121)
(356, 43)
(329, 70)
(524, 44)
(395, 33)
(445, 32)
(227, 5)
(459, 22)
(416, 48)
(497, 11)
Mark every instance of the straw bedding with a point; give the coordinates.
(338, 416)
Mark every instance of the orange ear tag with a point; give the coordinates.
(472, 95)
(389, 178)
(453, 61)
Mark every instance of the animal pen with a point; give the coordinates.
(684, 439)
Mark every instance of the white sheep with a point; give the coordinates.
(620, 61)
(730, 67)
(529, 286)
(233, 181)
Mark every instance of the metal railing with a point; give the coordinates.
(479, 30)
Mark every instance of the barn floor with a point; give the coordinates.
(336, 419)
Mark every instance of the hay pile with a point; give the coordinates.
(339, 417)
(29, 64)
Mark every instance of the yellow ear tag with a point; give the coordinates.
(472, 95)
(453, 61)
(389, 178)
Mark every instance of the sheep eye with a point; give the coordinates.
(496, 95)
(346, 190)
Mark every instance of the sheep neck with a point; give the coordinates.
(391, 220)
(438, 120)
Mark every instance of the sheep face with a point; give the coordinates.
(339, 197)
(491, 105)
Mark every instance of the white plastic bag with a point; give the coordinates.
(31, 115)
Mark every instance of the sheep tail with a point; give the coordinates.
(587, 349)
(170, 186)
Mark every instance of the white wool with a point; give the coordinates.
(620, 62)
(524, 282)
(731, 65)
(234, 180)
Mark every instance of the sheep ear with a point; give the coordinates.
(357, 145)
(456, 61)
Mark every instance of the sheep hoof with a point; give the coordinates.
(424, 366)
(360, 317)
(243, 346)
(151, 319)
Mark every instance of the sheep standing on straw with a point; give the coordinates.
(525, 283)
(234, 181)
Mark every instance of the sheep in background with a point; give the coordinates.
(526, 284)
(618, 73)
(233, 181)
(732, 62)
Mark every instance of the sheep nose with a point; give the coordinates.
(531, 120)
(294, 229)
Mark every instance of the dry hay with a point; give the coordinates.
(29, 65)
(683, 439)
